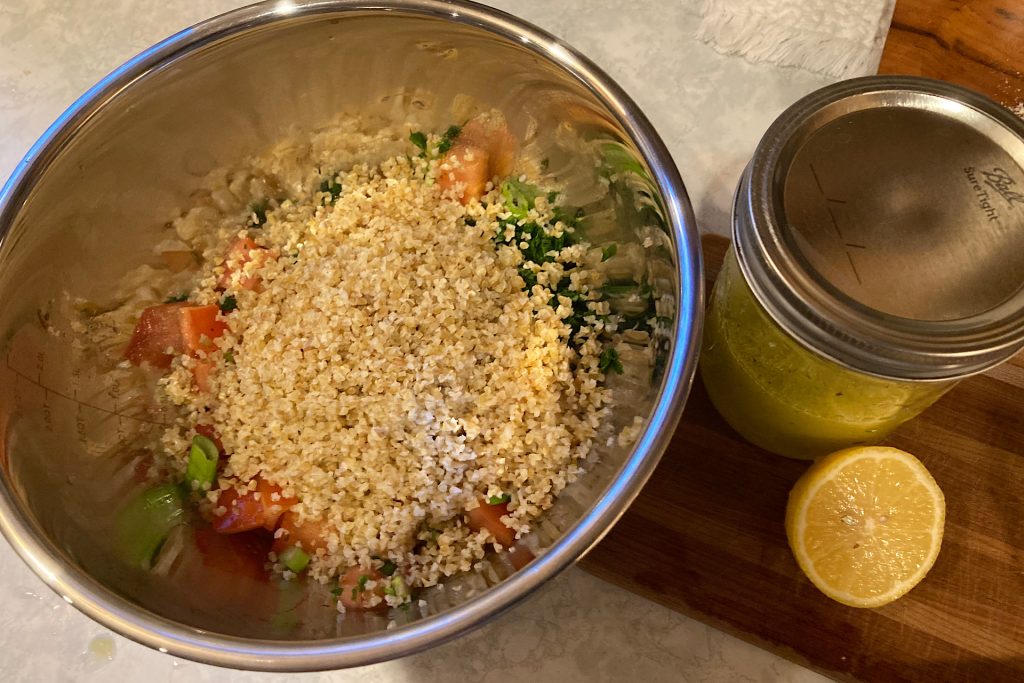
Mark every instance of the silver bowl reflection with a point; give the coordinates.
(87, 201)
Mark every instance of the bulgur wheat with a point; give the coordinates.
(391, 368)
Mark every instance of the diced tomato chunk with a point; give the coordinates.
(251, 510)
(519, 555)
(360, 588)
(243, 554)
(464, 169)
(487, 516)
(201, 372)
(177, 261)
(200, 326)
(309, 535)
(146, 471)
(158, 329)
(490, 133)
(484, 148)
(242, 251)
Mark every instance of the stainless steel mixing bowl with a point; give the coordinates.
(90, 197)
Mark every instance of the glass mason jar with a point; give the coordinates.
(877, 259)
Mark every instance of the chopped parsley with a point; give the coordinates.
(609, 360)
(332, 186)
(228, 303)
(388, 568)
(529, 278)
(609, 251)
(448, 138)
(361, 586)
(229, 357)
(258, 213)
(419, 139)
(177, 299)
(498, 500)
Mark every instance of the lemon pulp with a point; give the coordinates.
(865, 524)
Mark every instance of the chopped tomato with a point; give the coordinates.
(158, 330)
(242, 251)
(309, 535)
(360, 589)
(519, 555)
(490, 133)
(201, 372)
(252, 509)
(200, 326)
(484, 148)
(177, 261)
(145, 469)
(243, 554)
(487, 516)
(465, 169)
(166, 330)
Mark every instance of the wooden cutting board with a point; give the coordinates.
(976, 43)
(706, 538)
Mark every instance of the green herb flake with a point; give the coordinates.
(228, 303)
(331, 186)
(609, 251)
(388, 568)
(336, 591)
(498, 500)
(177, 299)
(419, 139)
(529, 278)
(363, 579)
(258, 213)
(229, 357)
(448, 138)
(609, 360)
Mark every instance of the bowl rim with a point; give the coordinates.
(104, 606)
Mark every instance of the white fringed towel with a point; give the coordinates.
(840, 38)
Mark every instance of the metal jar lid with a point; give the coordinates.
(881, 223)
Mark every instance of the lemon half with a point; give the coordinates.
(865, 524)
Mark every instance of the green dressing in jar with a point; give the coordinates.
(783, 397)
(877, 260)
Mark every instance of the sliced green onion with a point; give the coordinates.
(145, 522)
(398, 588)
(202, 463)
(294, 558)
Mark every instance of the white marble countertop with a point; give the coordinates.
(710, 109)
